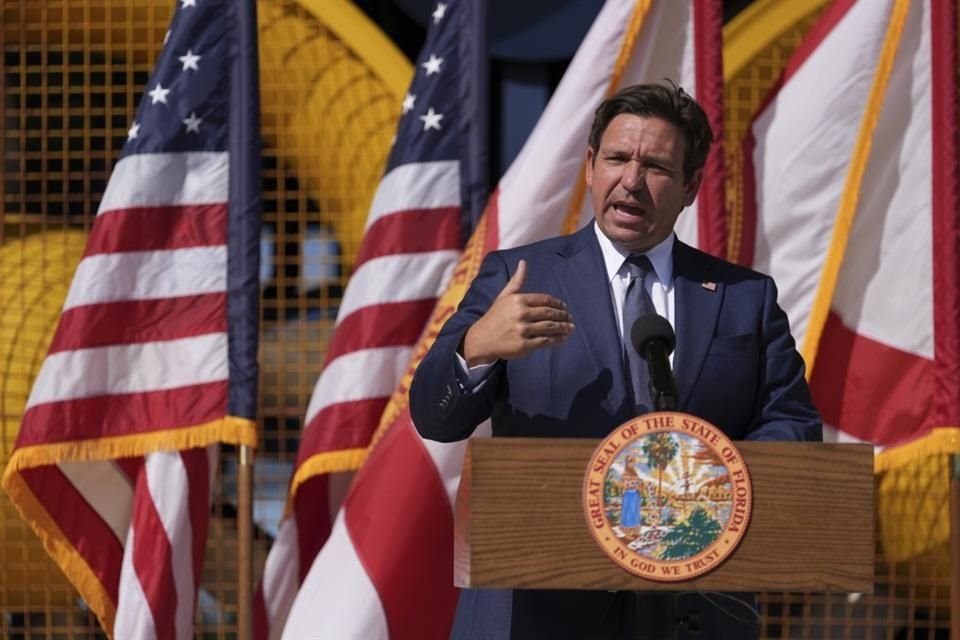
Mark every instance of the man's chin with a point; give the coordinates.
(630, 236)
(634, 243)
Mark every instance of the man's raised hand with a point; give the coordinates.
(516, 324)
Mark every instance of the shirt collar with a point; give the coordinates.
(660, 256)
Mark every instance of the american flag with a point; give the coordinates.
(154, 358)
(433, 186)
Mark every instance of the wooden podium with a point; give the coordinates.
(520, 522)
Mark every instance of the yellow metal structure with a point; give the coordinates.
(28, 318)
(331, 87)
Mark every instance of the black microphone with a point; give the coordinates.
(654, 339)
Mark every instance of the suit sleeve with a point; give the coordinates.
(443, 408)
(785, 410)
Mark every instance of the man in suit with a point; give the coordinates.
(538, 345)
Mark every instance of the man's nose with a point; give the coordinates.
(633, 177)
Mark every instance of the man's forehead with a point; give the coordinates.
(627, 128)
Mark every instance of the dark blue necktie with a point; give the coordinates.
(636, 303)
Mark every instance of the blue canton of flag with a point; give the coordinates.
(430, 126)
(184, 107)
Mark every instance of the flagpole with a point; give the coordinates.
(244, 232)
(245, 544)
(955, 546)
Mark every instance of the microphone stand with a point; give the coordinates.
(656, 612)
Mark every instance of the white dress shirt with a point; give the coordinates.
(619, 275)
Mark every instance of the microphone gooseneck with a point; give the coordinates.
(653, 338)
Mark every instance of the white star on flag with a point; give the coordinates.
(431, 120)
(408, 101)
(432, 65)
(158, 94)
(189, 3)
(193, 123)
(134, 131)
(439, 12)
(190, 60)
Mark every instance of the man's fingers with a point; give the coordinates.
(517, 323)
(542, 300)
(515, 283)
(547, 329)
(537, 314)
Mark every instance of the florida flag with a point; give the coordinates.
(852, 162)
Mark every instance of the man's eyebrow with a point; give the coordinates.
(664, 162)
(646, 157)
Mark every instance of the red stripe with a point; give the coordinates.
(491, 239)
(153, 561)
(311, 506)
(344, 425)
(748, 221)
(122, 414)
(389, 324)
(82, 526)
(136, 321)
(261, 623)
(400, 522)
(130, 467)
(946, 213)
(414, 231)
(871, 390)
(829, 19)
(157, 228)
(708, 73)
(197, 465)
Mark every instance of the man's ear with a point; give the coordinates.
(588, 172)
(691, 187)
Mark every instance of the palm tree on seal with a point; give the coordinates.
(660, 449)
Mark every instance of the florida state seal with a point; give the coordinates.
(667, 496)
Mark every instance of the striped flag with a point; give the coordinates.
(856, 215)
(387, 569)
(432, 190)
(154, 358)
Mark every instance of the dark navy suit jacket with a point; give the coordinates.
(735, 364)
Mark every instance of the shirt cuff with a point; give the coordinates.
(472, 378)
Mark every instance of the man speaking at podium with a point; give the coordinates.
(541, 345)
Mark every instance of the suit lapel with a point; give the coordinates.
(583, 281)
(697, 308)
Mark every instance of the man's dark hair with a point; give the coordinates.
(670, 103)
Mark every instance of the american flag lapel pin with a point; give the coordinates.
(709, 286)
